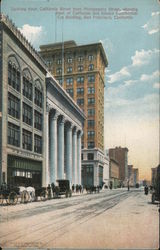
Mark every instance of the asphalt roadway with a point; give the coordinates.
(44, 223)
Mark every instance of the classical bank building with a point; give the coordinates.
(40, 124)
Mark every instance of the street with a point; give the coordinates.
(109, 219)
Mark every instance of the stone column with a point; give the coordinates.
(74, 156)
(61, 148)
(79, 157)
(47, 149)
(69, 153)
(53, 148)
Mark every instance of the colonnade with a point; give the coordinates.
(63, 159)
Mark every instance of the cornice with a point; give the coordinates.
(16, 32)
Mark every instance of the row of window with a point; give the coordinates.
(90, 156)
(91, 90)
(80, 68)
(80, 80)
(14, 82)
(80, 59)
(14, 138)
(27, 112)
(91, 101)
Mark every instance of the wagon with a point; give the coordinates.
(63, 188)
(9, 194)
(42, 193)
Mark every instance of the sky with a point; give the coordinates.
(129, 32)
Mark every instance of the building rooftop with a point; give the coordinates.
(72, 44)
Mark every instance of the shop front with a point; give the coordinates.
(24, 172)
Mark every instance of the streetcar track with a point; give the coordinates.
(62, 223)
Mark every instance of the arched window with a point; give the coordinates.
(38, 94)
(27, 88)
(14, 76)
(38, 97)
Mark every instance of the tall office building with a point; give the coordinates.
(80, 69)
(121, 156)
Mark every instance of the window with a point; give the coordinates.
(59, 61)
(13, 76)
(90, 57)
(13, 135)
(38, 97)
(59, 71)
(80, 79)
(27, 114)
(80, 101)
(91, 90)
(91, 67)
(91, 101)
(69, 59)
(81, 156)
(91, 78)
(69, 81)
(80, 58)
(27, 88)
(90, 156)
(69, 69)
(27, 140)
(13, 106)
(91, 123)
(70, 92)
(91, 144)
(60, 81)
(80, 91)
(37, 120)
(91, 134)
(91, 112)
(38, 144)
(80, 68)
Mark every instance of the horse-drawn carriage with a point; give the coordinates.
(63, 188)
(9, 194)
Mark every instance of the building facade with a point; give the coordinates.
(23, 107)
(121, 156)
(64, 123)
(34, 112)
(133, 176)
(114, 173)
(106, 171)
(80, 69)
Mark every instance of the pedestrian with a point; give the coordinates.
(146, 190)
(49, 191)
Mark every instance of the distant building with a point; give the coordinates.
(121, 156)
(133, 175)
(114, 173)
(80, 70)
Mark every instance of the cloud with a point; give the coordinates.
(123, 73)
(32, 33)
(140, 58)
(154, 75)
(143, 57)
(156, 85)
(152, 26)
